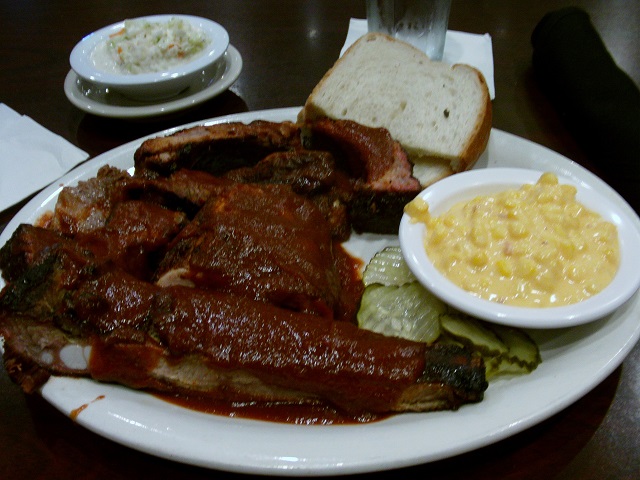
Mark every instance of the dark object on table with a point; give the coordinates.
(598, 101)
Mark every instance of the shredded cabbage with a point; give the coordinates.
(144, 47)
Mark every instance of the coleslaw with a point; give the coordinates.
(142, 46)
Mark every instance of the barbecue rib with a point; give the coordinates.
(382, 179)
(310, 173)
(190, 341)
(265, 242)
(370, 184)
(216, 148)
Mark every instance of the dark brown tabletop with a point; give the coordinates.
(286, 46)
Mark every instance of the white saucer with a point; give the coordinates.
(100, 101)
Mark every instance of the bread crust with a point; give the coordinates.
(482, 131)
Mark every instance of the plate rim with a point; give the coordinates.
(351, 449)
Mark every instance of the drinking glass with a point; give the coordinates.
(422, 23)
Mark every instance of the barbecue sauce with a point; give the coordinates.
(309, 414)
(77, 411)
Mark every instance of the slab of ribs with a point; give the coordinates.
(216, 270)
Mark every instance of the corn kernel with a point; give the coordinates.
(518, 229)
(479, 259)
(546, 280)
(449, 221)
(504, 268)
(527, 268)
(479, 236)
(511, 203)
(546, 197)
(548, 178)
(567, 248)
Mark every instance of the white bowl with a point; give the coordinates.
(464, 186)
(150, 86)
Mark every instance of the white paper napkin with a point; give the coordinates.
(31, 157)
(459, 47)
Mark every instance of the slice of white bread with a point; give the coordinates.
(440, 114)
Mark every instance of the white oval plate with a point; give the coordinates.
(99, 101)
(574, 361)
(465, 186)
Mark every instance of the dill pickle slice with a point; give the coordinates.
(473, 333)
(408, 311)
(501, 365)
(521, 357)
(387, 267)
(523, 351)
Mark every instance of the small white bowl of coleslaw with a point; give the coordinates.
(150, 58)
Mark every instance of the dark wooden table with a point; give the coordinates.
(287, 45)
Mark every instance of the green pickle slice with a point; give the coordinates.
(387, 267)
(473, 333)
(406, 311)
